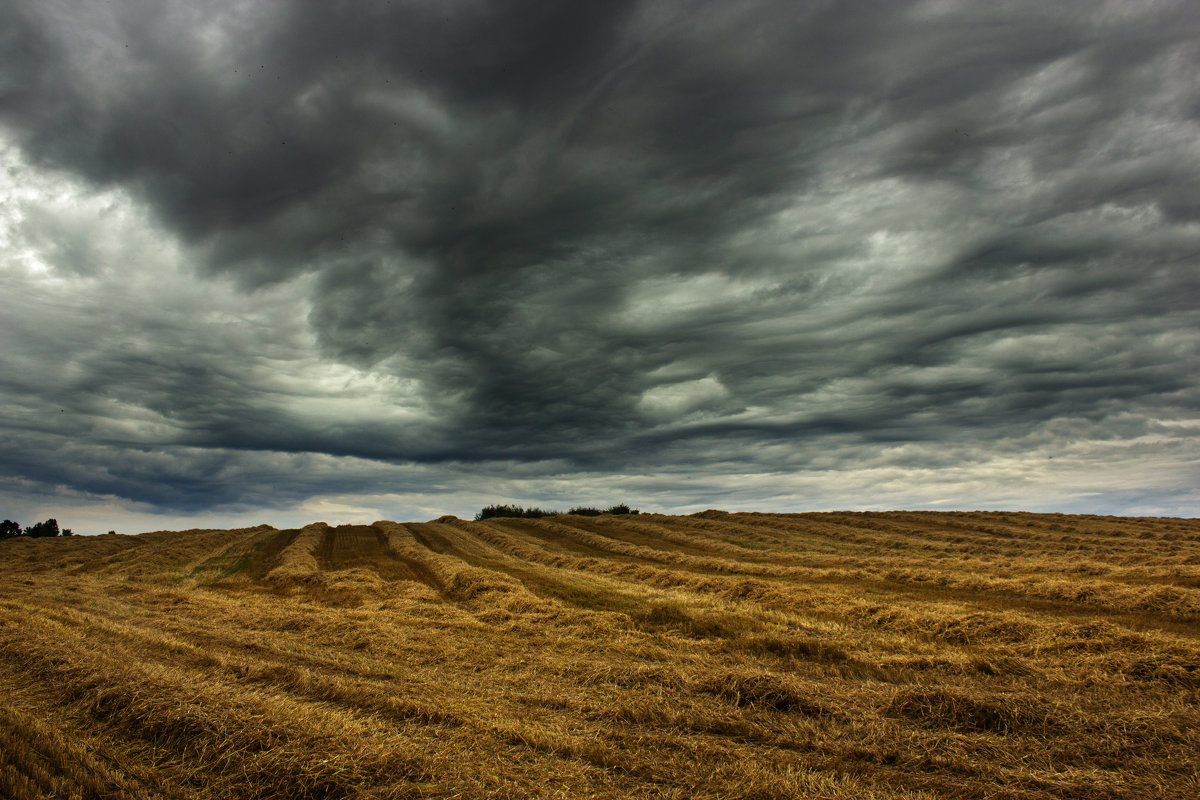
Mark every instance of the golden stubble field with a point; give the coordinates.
(833, 655)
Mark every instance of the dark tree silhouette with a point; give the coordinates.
(517, 511)
(40, 529)
(584, 511)
(513, 511)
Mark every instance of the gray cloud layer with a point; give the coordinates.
(622, 241)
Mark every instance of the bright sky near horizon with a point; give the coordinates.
(288, 261)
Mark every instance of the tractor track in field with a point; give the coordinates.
(365, 547)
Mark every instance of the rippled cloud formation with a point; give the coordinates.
(292, 259)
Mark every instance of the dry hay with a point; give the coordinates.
(882, 655)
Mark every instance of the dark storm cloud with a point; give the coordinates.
(628, 236)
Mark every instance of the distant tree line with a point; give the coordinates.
(37, 530)
(595, 512)
(517, 511)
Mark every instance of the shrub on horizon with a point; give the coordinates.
(501, 510)
(41, 529)
(586, 512)
(489, 512)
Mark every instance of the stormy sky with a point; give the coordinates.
(287, 261)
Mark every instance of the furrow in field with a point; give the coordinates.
(490, 717)
(159, 722)
(168, 707)
(70, 761)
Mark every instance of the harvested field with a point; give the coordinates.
(839, 655)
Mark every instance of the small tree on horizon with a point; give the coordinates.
(43, 529)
